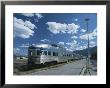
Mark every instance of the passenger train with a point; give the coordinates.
(44, 53)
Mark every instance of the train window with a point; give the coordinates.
(67, 55)
(73, 55)
(55, 54)
(45, 52)
(38, 52)
(31, 53)
(34, 53)
(49, 53)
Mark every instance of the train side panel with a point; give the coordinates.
(45, 58)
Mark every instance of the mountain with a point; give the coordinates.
(84, 52)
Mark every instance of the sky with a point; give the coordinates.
(66, 29)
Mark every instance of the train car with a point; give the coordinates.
(44, 53)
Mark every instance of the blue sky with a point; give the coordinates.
(65, 29)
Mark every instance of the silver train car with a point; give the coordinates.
(45, 53)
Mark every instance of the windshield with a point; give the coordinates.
(38, 52)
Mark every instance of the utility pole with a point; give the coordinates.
(88, 57)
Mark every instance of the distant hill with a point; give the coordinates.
(85, 51)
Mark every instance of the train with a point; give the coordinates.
(46, 53)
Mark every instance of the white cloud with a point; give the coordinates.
(75, 46)
(81, 47)
(30, 25)
(83, 30)
(62, 28)
(74, 37)
(56, 27)
(84, 46)
(28, 14)
(78, 46)
(92, 35)
(22, 28)
(38, 15)
(72, 43)
(75, 42)
(45, 40)
(68, 49)
(16, 50)
(85, 37)
(42, 45)
(93, 43)
(24, 45)
(76, 19)
(72, 28)
(61, 43)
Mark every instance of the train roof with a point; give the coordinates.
(45, 46)
(51, 47)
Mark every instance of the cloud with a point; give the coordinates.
(42, 45)
(85, 37)
(56, 27)
(84, 46)
(16, 50)
(74, 37)
(24, 45)
(72, 43)
(62, 28)
(76, 19)
(83, 30)
(45, 40)
(81, 47)
(61, 43)
(92, 35)
(72, 28)
(68, 49)
(23, 29)
(28, 14)
(72, 46)
(38, 15)
(93, 43)
(30, 25)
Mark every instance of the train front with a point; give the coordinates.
(34, 54)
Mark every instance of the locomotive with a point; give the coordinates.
(44, 53)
